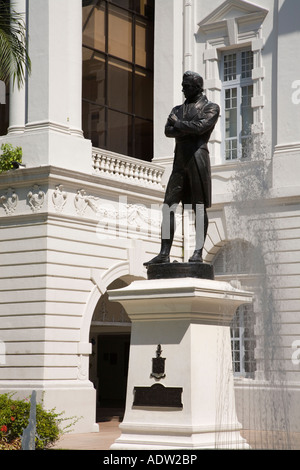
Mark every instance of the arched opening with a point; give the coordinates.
(238, 258)
(108, 367)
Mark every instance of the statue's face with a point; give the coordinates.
(189, 88)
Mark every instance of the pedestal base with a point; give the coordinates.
(180, 384)
(180, 270)
(134, 438)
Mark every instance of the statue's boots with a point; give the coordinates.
(163, 256)
(196, 257)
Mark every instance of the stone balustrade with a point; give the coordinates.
(131, 170)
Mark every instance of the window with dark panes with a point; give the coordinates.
(117, 108)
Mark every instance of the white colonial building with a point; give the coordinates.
(84, 213)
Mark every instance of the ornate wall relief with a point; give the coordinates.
(36, 198)
(59, 198)
(9, 201)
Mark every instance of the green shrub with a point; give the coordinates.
(14, 418)
(9, 155)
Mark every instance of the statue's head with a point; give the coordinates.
(192, 84)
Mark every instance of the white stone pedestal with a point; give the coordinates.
(190, 319)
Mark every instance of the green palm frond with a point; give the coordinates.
(14, 59)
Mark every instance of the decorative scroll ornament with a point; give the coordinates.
(9, 201)
(135, 216)
(36, 198)
(59, 198)
(83, 200)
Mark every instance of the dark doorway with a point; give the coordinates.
(112, 370)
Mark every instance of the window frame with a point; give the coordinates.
(238, 83)
(242, 367)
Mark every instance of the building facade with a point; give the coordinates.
(84, 214)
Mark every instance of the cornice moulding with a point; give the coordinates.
(50, 174)
(232, 10)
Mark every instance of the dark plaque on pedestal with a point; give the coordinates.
(158, 396)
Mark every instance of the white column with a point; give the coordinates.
(168, 70)
(48, 85)
(17, 98)
(55, 48)
(75, 65)
(53, 134)
(188, 62)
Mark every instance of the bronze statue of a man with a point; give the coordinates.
(191, 124)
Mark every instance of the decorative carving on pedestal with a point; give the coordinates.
(36, 198)
(158, 365)
(9, 200)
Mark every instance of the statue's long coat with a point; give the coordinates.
(192, 131)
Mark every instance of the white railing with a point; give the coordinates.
(131, 170)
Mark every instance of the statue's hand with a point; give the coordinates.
(172, 119)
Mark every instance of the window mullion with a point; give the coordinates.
(242, 341)
(239, 120)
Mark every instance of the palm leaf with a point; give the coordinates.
(14, 59)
